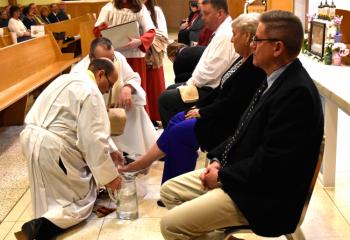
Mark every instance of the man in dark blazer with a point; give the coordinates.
(61, 14)
(259, 176)
(53, 13)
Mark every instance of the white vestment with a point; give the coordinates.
(66, 143)
(162, 28)
(139, 133)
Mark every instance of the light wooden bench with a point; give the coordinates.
(71, 28)
(25, 67)
(6, 39)
(86, 36)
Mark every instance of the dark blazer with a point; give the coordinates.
(4, 23)
(221, 110)
(272, 163)
(186, 61)
(191, 34)
(62, 15)
(53, 18)
(29, 22)
(196, 28)
(46, 19)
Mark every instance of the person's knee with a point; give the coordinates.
(164, 195)
(170, 226)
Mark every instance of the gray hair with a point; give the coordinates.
(247, 22)
(100, 41)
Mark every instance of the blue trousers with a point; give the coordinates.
(179, 143)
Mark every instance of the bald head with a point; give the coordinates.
(104, 72)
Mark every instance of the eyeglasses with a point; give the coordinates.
(255, 39)
(110, 84)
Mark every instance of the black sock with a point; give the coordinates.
(41, 229)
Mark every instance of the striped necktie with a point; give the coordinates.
(242, 123)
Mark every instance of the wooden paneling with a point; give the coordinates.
(235, 7)
(174, 11)
(76, 8)
(287, 5)
(345, 25)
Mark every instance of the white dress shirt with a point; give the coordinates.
(216, 59)
(17, 26)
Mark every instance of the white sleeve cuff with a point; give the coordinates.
(112, 146)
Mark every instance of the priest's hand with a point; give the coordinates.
(115, 184)
(118, 158)
(124, 99)
(134, 166)
(193, 113)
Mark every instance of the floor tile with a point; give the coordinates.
(5, 228)
(19, 208)
(8, 199)
(345, 211)
(323, 219)
(16, 227)
(140, 229)
(87, 230)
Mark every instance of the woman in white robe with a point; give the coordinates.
(68, 148)
(123, 11)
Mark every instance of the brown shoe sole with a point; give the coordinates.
(21, 235)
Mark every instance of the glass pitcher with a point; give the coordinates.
(126, 199)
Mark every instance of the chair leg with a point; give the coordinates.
(297, 235)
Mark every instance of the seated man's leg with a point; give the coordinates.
(195, 211)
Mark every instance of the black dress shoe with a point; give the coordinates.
(38, 229)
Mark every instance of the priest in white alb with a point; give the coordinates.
(66, 141)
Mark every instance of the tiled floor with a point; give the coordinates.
(328, 216)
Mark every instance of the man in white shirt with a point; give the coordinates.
(216, 59)
(67, 144)
(139, 134)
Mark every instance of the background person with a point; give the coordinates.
(16, 25)
(123, 11)
(215, 60)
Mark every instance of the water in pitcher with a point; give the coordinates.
(127, 206)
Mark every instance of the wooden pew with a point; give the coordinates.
(71, 28)
(6, 39)
(6, 30)
(25, 67)
(86, 36)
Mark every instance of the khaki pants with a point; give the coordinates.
(194, 211)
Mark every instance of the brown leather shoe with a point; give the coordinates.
(21, 236)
